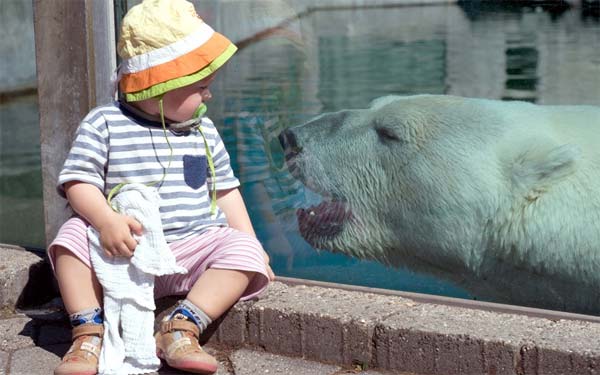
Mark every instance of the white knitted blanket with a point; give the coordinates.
(128, 284)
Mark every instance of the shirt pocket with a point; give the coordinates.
(194, 170)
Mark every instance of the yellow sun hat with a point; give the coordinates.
(165, 45)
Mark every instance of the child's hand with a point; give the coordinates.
(116, 235)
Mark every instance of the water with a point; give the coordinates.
(331, 60)
(21, 208)
(21, 212)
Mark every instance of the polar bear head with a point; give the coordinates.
(441, 184)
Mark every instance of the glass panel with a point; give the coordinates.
(423, 194)
(21, 210)
(347, 61)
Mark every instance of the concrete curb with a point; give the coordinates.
(34, 346)
(394, 333)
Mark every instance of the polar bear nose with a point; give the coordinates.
(289, 144)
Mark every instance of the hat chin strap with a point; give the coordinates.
(194, 122)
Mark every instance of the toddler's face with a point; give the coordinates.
(180, 104)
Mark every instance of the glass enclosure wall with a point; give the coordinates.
(21, 211)
(343, 208)
(429, 194)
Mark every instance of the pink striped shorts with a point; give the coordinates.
(218, 247)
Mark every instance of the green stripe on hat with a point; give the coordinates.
(176, 83)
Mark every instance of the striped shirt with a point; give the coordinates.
(113, 146)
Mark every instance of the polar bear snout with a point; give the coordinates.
(292, 153)
(289, 144)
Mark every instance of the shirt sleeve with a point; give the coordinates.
(224, 177)
(87, 158)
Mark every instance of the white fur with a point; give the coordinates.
(500, 197)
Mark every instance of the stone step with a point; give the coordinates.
(33, 346)
(25, 278)
(344, 328)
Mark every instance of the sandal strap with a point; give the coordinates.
(84, 346)
(179, 325)
(88, 329)
(183, 346)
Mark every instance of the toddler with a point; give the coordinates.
(156, 135)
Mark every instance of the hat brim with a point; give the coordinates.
(182, 71)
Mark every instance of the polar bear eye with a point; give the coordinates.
(387, 134)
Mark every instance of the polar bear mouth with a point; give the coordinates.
(323, 221)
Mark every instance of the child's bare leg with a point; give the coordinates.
(79, 287)
(82, 295)
(215, 291)
(218, 289)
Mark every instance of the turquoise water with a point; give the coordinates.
(327, 61)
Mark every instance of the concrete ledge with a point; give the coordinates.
(351, 328)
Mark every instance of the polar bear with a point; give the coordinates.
(502, 198)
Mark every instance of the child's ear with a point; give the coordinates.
(541, 166)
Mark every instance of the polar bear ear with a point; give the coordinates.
(540, 167)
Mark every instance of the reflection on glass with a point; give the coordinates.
(521, 70)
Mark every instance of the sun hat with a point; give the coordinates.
(165, 45)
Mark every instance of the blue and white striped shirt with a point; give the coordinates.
(112, 146)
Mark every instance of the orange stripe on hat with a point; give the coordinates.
(180, 66)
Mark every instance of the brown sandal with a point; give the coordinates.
(82, 357)
(177, 343)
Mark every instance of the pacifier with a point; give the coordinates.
(189, 124)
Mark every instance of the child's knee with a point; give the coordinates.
(250, 275)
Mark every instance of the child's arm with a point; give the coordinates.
(115, 229)
(230, 201)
